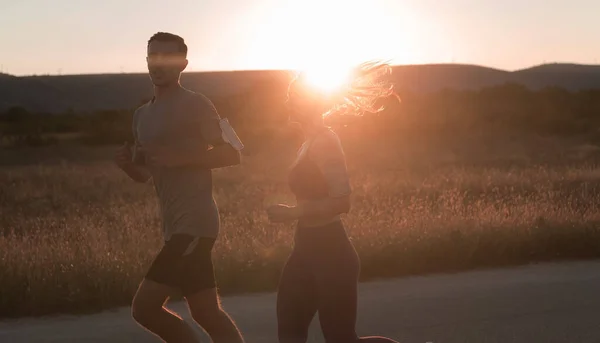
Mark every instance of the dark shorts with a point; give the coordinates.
(183, 266)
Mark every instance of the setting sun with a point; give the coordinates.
(327, 78)
(326, 39)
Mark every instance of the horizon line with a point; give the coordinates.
(292, 69)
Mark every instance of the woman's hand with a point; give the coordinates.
(282, 213)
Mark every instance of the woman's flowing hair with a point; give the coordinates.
(367, 83)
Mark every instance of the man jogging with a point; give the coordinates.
(174, 133)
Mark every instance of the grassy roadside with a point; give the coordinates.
(78, 236)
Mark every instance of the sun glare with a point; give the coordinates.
(327, 38)
(327, 78)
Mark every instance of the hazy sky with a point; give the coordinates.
(81, 36)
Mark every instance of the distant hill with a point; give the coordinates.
(119, 91)
(568, 76)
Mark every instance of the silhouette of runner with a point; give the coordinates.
(321, 274)
(172, 134)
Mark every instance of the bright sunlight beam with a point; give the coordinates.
(327, 78)
(326, 39)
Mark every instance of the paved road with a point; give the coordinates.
(538, 303)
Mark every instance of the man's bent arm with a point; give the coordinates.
(222, 154)
(137, 173)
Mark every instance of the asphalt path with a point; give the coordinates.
(556, 302)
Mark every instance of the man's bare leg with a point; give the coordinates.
(206, 310)
(149, 311)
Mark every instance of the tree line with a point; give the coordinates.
(257, 114)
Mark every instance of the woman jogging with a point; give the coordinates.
(321, 274)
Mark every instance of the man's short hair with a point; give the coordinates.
(169, 37)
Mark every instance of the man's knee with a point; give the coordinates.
(208, 315)
(205, 306)
(289, 331)
(143, 313)
(148, 302)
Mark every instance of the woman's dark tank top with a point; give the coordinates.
(308, 183)
(306, 180)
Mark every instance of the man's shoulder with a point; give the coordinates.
(198, 102)
(195, 96)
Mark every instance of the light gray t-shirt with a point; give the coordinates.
(183, 120)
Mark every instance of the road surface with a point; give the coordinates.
(537, 303)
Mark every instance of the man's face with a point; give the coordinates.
(165, 62)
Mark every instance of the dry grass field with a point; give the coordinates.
(77, 235)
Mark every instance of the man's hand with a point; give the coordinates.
(123, 156)
(123, 159)
(282, 213)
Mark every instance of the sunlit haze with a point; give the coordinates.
(75, 37)
(327, 79)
